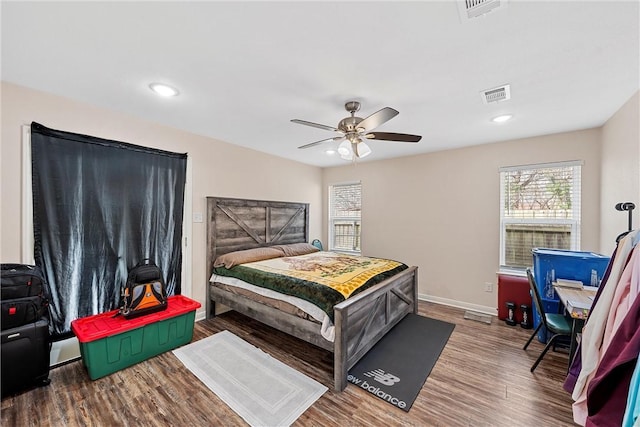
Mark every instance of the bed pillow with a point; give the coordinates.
(250, 255)
(295, 249)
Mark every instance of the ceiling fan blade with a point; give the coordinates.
(315, 125)
(388, 136)
(313, 144)
(377, 118)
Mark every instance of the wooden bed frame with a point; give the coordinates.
(360, 321)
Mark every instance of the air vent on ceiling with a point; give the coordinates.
(497, 94)
(470, 9)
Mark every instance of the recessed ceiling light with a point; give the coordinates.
(163, 89)
(330, 152)
(502, 119)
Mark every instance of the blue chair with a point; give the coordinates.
(555, 323)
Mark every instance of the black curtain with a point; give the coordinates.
(100, 207)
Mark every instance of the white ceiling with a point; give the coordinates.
(244, 69)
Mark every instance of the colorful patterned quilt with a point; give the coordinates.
(322, 278)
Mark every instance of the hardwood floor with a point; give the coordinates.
(481, 379)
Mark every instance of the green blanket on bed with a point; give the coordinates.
(322, 278)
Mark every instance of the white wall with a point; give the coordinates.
(219, 169)
(620, 172)
(440, 211)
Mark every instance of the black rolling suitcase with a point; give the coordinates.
(24, 345)
(25, 356)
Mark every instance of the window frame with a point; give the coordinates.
(357, 222)
(576, 208)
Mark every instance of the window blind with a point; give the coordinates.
(345, 205)
(539, 208)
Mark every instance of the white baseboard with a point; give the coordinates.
(201, 315)
(64, 351)
(492, 311)
(220, 308)
(69, 349)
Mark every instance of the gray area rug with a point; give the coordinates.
(259, 388)
(396, 368)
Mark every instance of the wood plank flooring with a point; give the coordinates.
(481, 379)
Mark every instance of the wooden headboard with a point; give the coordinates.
(238, 224)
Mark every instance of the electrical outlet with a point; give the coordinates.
(488, 287)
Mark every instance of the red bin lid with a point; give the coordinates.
(98, 326)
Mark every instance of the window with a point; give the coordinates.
(344, 217)
(539, 208)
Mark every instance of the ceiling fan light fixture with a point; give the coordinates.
(349, 156)
(344, 149)
(347, 152)
(363, 150)
(163, 89)
(503, 118)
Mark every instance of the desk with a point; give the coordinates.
(582, 296)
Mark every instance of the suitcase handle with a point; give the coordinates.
(10, 267)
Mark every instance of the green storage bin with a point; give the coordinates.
(109, 344)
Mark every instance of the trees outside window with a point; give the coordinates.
(539, 208)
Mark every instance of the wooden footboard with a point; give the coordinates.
(362, 320)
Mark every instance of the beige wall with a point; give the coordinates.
(620, 171)
(219, 169)
(440, 211)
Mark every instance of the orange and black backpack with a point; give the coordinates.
(145, 291)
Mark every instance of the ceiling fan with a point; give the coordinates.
(356, 130)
